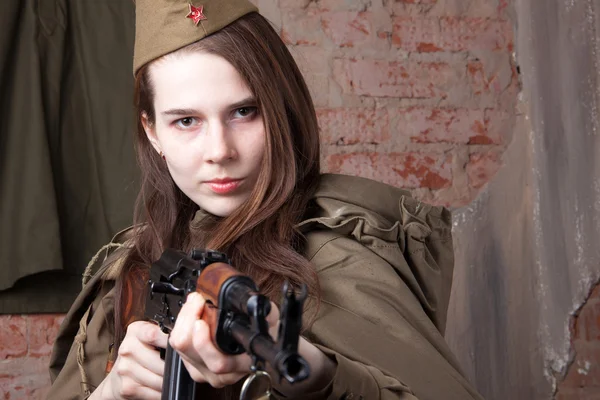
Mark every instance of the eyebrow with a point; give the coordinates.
(248, 101)
(180, 111)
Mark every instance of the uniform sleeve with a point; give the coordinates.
(84, 367)
(373, 325)
(82, 347)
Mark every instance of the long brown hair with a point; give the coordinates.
(261, 236)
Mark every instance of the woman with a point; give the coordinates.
(228, 146)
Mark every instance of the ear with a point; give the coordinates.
(150, 130)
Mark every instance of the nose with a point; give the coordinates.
(219, 148)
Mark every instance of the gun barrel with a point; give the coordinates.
(288, 364)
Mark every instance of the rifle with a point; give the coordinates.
(235, 311)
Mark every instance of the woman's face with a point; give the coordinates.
(209, 129)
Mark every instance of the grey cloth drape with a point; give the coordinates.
(528, 249)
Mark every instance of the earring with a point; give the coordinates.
(162, 155)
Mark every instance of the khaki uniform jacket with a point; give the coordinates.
(385, 265)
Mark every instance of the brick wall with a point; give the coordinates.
(582, 380)
(416, 93)
(25, 345)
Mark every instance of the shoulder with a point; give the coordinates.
(376, 232)
(92, 308)
(374, 214)
(384, 261)
(106, 264)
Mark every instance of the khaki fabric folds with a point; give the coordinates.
(384, 262)
(67, 168)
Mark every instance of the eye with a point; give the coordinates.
(186, 122)
(245, 112)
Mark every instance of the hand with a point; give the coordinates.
(191, 338)
(138, 370)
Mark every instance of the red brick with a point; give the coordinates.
(23, 369)
(493, 80)
(24, 378)
(477, 77)
(451, 34)
(346, 126)
(313, 63)
(13, 331)
(325, 5)
(595, 293)
(470, 9)
(416, 34)
(502, 6)
(434, 125)
(582, 380)
(416, 1)
(482, 167)
(498, 126)
(347, 5)
(584, 371)
(42, 333)
(20, 392)
(592, 393)
(460, 34)
(407, 79)
(40, 393)
(409, 170)
(311, 59)
(299, 4)
(9, 392)
(347, 29)
(416, 8)
(409, 7)
(587, 323)
(301, 27)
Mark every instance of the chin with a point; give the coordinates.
(220, 210)
(219, 213)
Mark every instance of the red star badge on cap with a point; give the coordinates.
(196, 14)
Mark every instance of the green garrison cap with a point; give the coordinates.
(163, 26)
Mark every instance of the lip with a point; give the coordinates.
(223, 185)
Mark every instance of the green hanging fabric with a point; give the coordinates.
(68, 177)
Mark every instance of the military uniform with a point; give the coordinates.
(384, 262)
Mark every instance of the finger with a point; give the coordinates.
(273, 321)
(134, 354)
(134, 347)
(215, 380)
(197, 371)
(214, 359)
(181, 335)
(140, 392)
(148, 333)
(134, 375)
(193, 305)
(149, 394)
(150, 359)
(273, 317)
